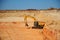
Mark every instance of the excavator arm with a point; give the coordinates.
(28, 16)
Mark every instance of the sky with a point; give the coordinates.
(28, 4)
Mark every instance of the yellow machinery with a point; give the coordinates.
(37, 24)
(25, 19)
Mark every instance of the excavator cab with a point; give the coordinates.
(36, 25)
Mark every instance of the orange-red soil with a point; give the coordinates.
(18, 31)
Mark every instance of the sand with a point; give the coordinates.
(18, 31)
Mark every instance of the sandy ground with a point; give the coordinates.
(17, 31)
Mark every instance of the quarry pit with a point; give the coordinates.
(12, 24)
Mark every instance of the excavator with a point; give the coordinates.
(37, 24)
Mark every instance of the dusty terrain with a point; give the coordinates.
(15, 31)
(12, 29)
